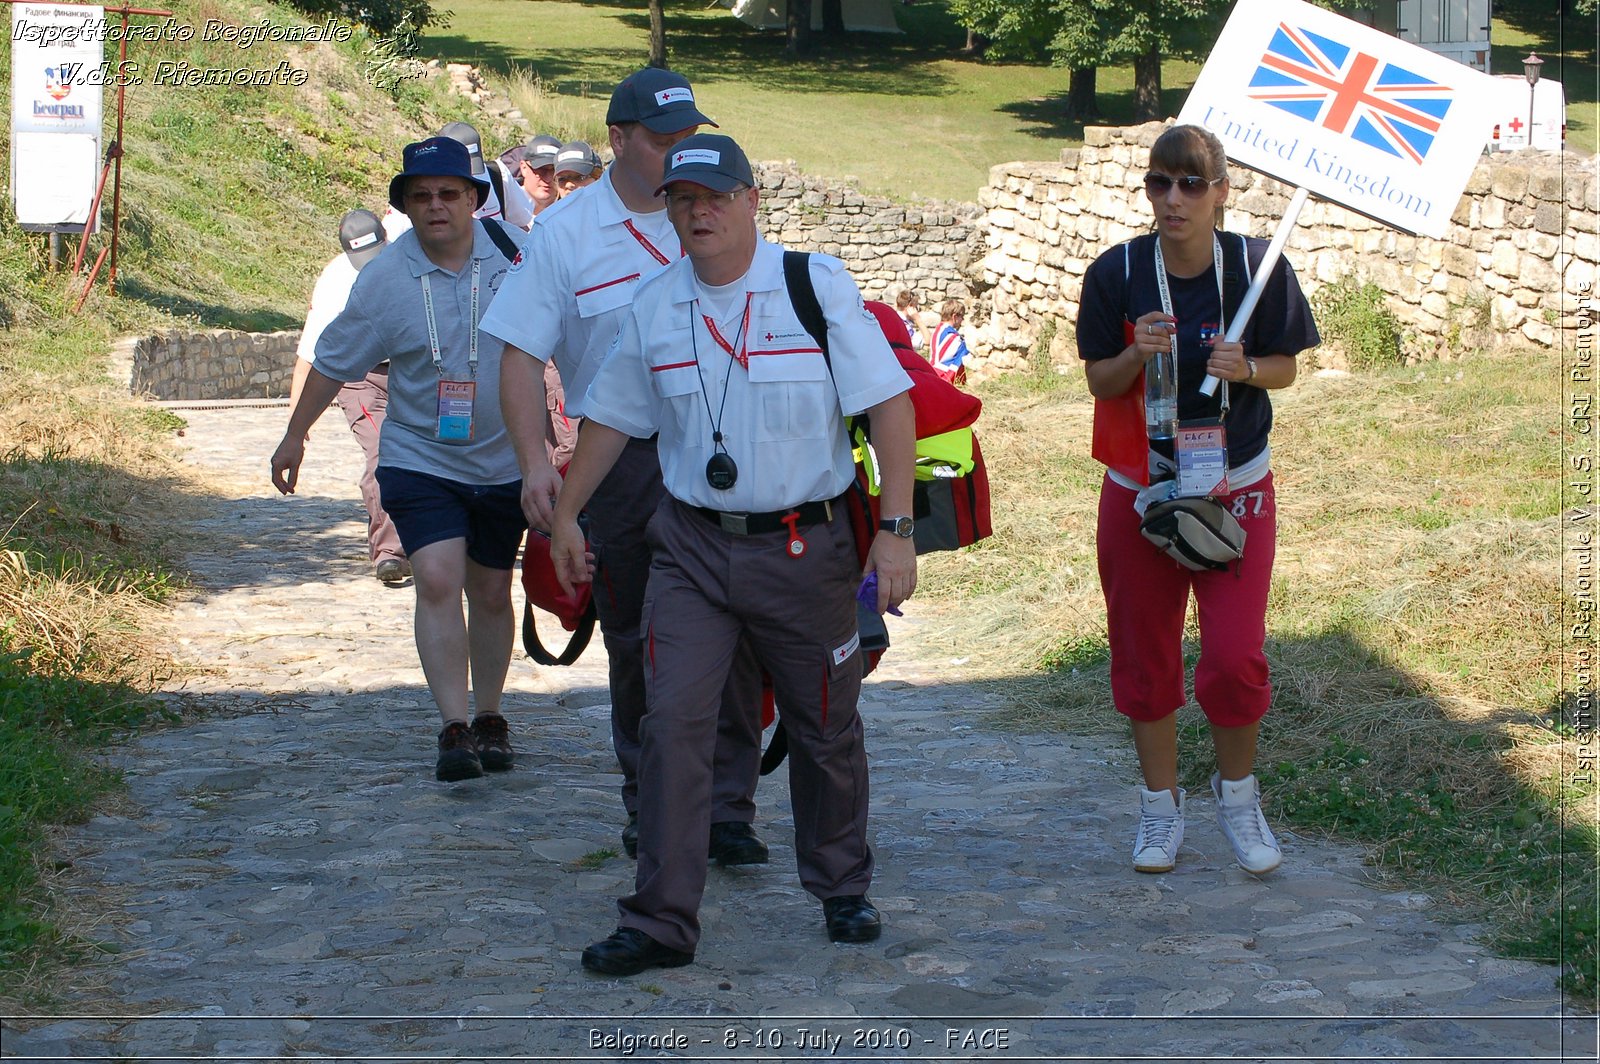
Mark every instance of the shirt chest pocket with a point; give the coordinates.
(791, 394)
(678, 385)
(606, 294)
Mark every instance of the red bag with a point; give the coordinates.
(575, 611)
(1120, 442)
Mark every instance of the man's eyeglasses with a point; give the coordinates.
(421, 197)
(1191, 186)
(717, 201)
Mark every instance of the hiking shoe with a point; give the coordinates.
(458, 754)
(493, 737)
(1155, 847)
(734, 842)
(1239, 816)
(393, 570)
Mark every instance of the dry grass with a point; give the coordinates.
(1413, 630)
(564, 115)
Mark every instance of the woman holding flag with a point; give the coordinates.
(1174, 292)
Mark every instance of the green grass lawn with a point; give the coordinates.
(907, 115)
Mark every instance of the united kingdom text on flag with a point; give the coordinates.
(1353, 114)
(1348, 91)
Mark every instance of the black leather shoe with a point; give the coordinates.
(630, 836)
(734, 842)
(851, 918)
(630, 951)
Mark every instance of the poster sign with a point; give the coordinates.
(1356, 116)
(57, 60)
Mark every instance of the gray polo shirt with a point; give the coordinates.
(385, 319)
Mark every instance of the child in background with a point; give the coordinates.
(949, 354)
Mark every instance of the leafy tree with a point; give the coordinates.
(399, 23)
(1085, 34)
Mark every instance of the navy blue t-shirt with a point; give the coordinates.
(1120, 286)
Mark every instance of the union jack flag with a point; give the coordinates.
(1351, 93)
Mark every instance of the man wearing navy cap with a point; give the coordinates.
(446, 473)
(753, 542)
(539, 171)
(579, 269)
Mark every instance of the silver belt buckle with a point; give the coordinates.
(734, 524)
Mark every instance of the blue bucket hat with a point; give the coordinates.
(436, 157)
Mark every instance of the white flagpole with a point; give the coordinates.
(1259, 282)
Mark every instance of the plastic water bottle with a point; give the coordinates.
(1161, 396)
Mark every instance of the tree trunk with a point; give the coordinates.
(833, 17)
(799, 27)
(1147, 85)
(658, 36)
(1081, 105)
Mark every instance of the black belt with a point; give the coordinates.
(741, 524)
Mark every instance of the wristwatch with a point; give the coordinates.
(1252, 364)
(903, 527)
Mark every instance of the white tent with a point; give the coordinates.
(873, 16)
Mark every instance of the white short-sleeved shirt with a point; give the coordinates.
(783, 420)
(385, 319)
(328, 298)
(580, 266)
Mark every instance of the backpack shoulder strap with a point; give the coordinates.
(502, 239)
(803, 296)
(575, 645)
(492, 168)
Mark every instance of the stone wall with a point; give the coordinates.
(1524, 233)
(932, 247)
(223, 364)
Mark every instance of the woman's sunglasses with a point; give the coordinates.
(1191, 186)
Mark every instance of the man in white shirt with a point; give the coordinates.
(361, 236)
(753, 542)
(563, 303)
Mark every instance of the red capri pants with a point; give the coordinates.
(1147, 596)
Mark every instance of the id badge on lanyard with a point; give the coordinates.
(453, 423)
(1200, 445)
(455, 411)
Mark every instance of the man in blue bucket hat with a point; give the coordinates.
(447, 474)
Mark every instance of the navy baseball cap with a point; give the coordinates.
(362, 237)
(436, 157)
(660, 99)
(467, 134)
(577, 157)
(708, 159)
(541, 151)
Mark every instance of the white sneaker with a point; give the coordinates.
(1155, 848)
(1239, 816)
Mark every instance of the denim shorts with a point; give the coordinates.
(428, 509)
